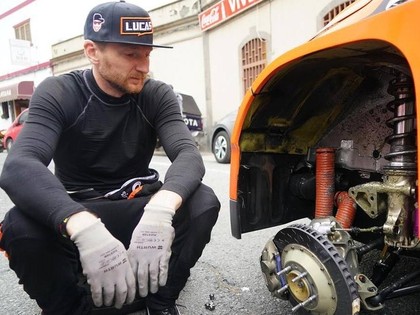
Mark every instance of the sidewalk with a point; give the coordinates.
(207, 156)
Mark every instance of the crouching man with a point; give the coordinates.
(104, 212)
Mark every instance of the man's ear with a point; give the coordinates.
(91, 51)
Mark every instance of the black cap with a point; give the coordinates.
(120, 22)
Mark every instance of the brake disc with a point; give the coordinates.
(318, 278)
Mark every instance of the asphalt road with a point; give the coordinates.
(228, 269)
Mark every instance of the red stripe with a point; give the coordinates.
(16, 8)
(37, 67)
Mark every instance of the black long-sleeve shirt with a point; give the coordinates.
(96, 141)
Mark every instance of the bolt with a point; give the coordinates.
(210, 306)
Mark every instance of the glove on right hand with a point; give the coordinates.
(105, 263)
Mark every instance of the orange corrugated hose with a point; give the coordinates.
(325, 182)
(346, 209)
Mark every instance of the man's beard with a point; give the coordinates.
(124, 89)
(119, 82)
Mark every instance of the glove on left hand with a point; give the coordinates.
(150, 248)
(105, 264)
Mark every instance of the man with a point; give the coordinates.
(104, 212)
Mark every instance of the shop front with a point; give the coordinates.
(14, 99)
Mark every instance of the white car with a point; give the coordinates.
(220, 139)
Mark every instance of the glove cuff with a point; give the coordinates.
(91, 236)
(155, 213)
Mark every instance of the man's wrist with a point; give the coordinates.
(154, 214)
(166, 198)
(79, 221)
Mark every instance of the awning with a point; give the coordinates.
(18, 91)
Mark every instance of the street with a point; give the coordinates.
(228, 269)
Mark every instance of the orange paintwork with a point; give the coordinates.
(366, 20)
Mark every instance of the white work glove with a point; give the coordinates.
(106, 266)
(150, 248)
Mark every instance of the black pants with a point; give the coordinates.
(48, 265)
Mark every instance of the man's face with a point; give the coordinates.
(122, 68)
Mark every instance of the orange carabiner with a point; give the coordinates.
(134, 192)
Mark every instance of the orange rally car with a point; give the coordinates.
(325, 145)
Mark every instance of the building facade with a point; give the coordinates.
(219, 46)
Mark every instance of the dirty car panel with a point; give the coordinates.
(328, 133)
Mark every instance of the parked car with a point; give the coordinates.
(220, 139)
(328, 135)
(192, 117)
(13, 131)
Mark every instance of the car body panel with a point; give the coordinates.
(387, 33)
(192, 117)
(13, 131)
(225, 124)
(354, 13)
(191, 113)
(325, 147)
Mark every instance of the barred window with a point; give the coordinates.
(334, 12)
(254, 59)
(23, 31)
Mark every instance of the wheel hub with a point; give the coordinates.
(220, 147)
(302, 265)
(300, 289)
(309, 278)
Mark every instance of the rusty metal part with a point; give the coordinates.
(325, 187)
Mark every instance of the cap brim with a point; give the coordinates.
(132, 43)
(158, 46)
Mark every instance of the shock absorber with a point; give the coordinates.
(400, 173)
(395, 196)
(402, 155)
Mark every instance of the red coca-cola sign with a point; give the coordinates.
(223, 10)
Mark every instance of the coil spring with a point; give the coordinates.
(403, 150)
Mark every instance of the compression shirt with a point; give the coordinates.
(96, 141)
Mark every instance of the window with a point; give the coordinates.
(254, 58)
(24, 117)
(5, 110)
(334, 12)
(23, 31)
